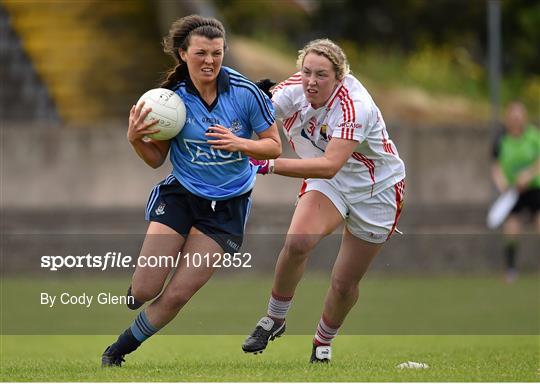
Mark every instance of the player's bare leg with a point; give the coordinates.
(186, 281)
(314, 218)
(354, 257)
(537, 223)
(511, 230)
(147, 282)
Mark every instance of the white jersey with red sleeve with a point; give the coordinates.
(351, 114)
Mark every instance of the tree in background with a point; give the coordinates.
(440, 45)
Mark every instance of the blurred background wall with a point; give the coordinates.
(70, 71)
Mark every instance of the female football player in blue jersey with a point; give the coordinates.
(202, 207)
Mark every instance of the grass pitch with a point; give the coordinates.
(465, 328)
(219, 358)
(388, 305)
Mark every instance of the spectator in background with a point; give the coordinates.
(517, 165)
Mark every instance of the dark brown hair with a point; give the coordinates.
(178, 38)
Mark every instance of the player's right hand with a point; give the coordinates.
(262, 165)
(138, 128)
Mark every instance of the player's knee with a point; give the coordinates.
(175, 300)
(344, 289)
(144, 293)
(298, 246)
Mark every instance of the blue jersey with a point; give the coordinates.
(241, 107)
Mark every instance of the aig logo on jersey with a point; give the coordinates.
(203, 154)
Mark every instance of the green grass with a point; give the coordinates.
(387, 305)
(219, 358)
(467, 328)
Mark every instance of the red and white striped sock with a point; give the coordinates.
(325, 332)
(278, 306)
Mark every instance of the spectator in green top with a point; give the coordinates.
(517, 165)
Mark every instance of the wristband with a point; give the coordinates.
(271, 165)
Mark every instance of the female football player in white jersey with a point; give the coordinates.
(202, 207)
(352, 173)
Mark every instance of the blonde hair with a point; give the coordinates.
(328, 49)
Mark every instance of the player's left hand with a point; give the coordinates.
(224, 139)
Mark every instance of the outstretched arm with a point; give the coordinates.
(336, 155)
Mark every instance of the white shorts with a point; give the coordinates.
(373, 219)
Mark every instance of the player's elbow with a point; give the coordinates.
(330, 167)
(272, 152)
(155, 163)
(329, 172)
(276, 151)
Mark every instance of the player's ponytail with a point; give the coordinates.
(178, 39)
(174, 76)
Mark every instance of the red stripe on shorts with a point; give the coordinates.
(303, 188)
(400, 189)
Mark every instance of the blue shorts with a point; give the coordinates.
(224, 221)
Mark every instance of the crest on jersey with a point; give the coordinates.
(322, 132)
(160, 210)
(236, 126)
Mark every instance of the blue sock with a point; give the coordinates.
(125, 344)
(141, 327)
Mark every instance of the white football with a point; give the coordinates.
(168, 108)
